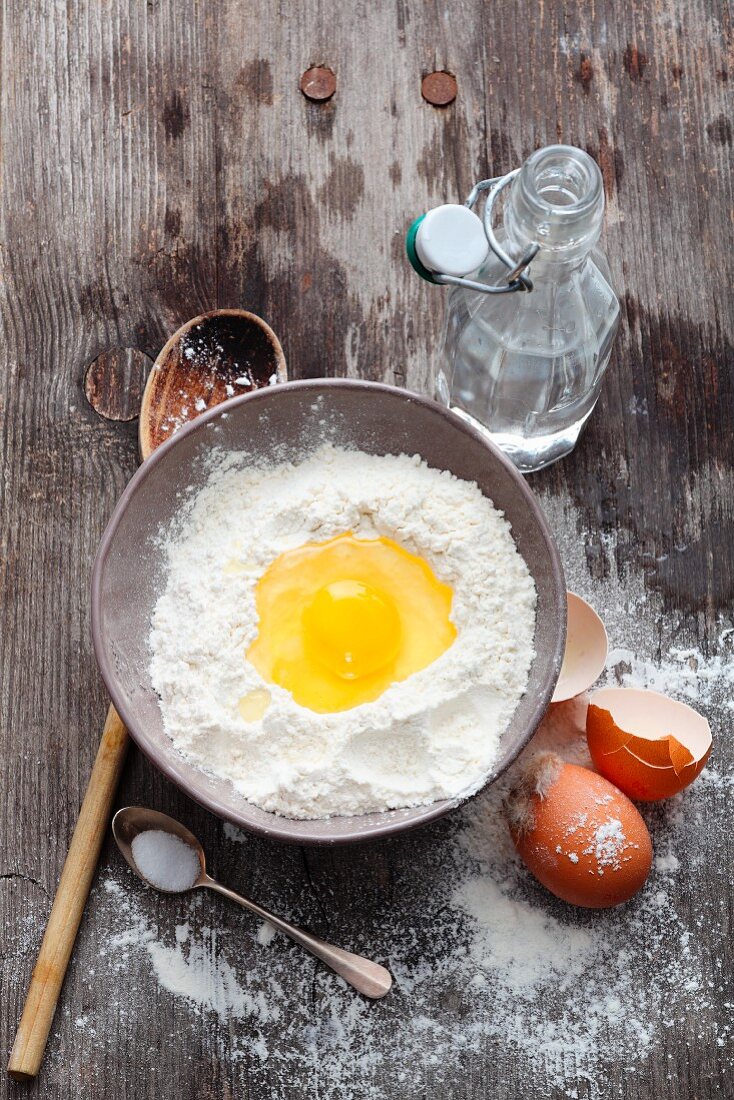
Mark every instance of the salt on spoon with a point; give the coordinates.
(165, 861)
(164, 854)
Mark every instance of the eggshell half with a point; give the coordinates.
(586, 650)
(580, 836)
(649, 745)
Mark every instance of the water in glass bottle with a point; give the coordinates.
(528, 337)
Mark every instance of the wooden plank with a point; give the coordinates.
(159, 160)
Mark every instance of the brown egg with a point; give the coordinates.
(579, 835)
(649, 745)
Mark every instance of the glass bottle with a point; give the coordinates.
(527, 367)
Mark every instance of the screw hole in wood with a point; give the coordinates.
(439, 88)
(318, 83)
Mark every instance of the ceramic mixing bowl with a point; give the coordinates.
(283, 421)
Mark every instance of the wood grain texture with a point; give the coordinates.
(160, 160)
(115, 381)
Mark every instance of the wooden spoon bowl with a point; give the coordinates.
(222, 354)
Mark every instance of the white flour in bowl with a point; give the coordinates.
(431, 736)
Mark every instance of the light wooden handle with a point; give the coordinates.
(68, 906)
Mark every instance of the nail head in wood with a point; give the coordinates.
(439, 89)
(115, 381)
(318, 83)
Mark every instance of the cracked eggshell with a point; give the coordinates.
(649, 745)
(586, 650)
(580, 836)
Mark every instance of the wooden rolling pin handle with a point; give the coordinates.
(68, 906)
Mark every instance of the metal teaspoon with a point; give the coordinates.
(367, 977)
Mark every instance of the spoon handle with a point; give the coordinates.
(367, 977)
(68, 907)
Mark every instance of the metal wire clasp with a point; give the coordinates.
(516, 280)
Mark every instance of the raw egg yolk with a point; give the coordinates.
(351, 629)
(339, 621)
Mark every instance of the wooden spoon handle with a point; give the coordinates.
(68, 906)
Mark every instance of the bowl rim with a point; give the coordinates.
(166, 763)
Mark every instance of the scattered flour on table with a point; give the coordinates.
(431, 736)
(485, 960)
(187, 967)
(569, 991)
(266, 934)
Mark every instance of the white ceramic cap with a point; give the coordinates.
(451, 240)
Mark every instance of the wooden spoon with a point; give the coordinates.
(216, 356)
(213, 357)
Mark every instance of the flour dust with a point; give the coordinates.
(490, 970)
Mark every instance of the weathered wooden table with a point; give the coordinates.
(159, 159)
